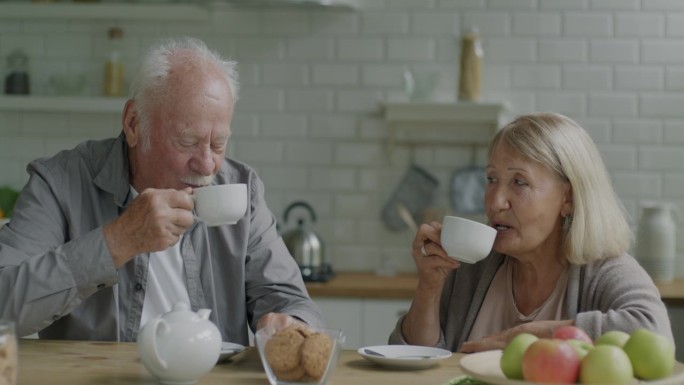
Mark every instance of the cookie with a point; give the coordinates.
(283, 349)
(315, 354)
(296, 374)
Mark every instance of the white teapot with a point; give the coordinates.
(180, 346)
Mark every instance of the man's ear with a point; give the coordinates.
(131, 124)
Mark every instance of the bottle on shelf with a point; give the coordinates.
(470, 76)
(17, 79)
(114, 68)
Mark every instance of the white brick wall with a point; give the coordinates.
(309, 115)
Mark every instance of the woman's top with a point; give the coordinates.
(500, 312)
(609, 294)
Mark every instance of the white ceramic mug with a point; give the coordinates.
(465, 240)
(223, 204)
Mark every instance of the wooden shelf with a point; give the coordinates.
(100, 11)
(62, 103)
(442, 123)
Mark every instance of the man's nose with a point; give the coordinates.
(204, 162)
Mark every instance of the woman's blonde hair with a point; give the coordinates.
(598, 225)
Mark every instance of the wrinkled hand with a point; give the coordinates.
(278, 321)
(154, 221)
(541, 329)
(433, 266)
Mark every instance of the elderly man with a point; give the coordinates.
(103, 236)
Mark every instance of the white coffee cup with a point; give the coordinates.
(223, 204)
(465, 240)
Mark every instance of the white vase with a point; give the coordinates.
(656, 241)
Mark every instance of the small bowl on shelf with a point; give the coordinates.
(299, 355)
(68, 84)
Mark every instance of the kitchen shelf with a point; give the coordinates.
(99, 11)
(161, 11)
(62, 103)
(442, 123)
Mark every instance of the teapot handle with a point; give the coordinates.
(156, 325)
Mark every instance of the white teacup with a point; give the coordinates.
(465, 240)
(223, 204)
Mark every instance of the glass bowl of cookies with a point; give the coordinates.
(298, 354)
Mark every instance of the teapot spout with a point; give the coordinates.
(204, 313)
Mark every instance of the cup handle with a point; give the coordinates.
(194, 209)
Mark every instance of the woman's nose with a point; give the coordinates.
(496, 199)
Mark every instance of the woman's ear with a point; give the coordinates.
(131, 124)
(568, 207)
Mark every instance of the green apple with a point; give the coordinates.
(581, 347)
(606, 364)
(512, 356)
(652, 354)
(614, 337)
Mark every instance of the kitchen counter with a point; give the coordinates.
(401, 286)
(365, 285)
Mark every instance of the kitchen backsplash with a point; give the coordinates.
(309, 117)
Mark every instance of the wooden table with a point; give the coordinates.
(86, 363)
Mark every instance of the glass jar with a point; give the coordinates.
(17, 79)
(9, 353)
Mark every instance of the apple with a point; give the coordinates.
(606, 364)
(581, 347)
(512, 356)
(570, 332)
(614, 337)
(551, 360)
(652, 354)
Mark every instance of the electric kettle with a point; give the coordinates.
(306, 247)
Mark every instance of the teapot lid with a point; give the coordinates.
(180, 312)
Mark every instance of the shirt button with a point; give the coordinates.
(55, 317)
(101, 286)
(138, 287)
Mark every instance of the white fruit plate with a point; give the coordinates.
(484, 366)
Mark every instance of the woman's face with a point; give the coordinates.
(524, 202)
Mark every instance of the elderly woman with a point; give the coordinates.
(559, 257)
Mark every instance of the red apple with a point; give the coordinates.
(551, 360)
(570, 332)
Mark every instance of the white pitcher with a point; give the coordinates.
(657, 241)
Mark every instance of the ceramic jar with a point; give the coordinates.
(656, 241)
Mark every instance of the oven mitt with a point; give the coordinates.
(467, 190)
(415, 191)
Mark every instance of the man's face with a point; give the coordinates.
(188, 136)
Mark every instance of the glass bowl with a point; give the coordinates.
(263, 335)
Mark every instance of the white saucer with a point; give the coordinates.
(229, 349)
(404, 356)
